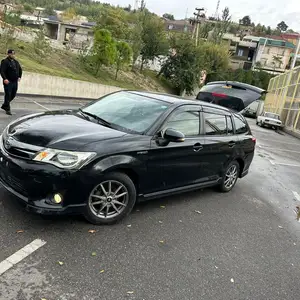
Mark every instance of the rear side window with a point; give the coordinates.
(216, 124)
(240, 124)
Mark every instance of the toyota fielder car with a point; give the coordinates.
(126, 147)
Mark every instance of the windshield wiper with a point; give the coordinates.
(100, 120)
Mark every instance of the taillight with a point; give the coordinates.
(253, 139)
(219, 95)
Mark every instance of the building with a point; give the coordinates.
(243, 52)
(74, 35)
(178, 25)
(273, 55)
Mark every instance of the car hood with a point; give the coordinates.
(61, 130)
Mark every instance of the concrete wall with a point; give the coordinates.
(45, 85)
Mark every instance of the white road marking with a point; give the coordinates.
(286, 164)
(296, 195)
(272, 162)
(282, 142)
(277, 149)
(20, 255)
(44, 107)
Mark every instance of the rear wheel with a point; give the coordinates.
(111, 199)
(230, 177)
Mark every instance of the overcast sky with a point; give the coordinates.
(267, 12)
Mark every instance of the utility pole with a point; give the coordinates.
(196, 22)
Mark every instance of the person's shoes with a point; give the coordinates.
(8, 112)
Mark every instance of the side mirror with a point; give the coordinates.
(173, 135)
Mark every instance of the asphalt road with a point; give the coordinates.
(201, 245)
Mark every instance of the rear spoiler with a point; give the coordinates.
(240, 85)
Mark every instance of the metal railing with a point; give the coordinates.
(283, 98)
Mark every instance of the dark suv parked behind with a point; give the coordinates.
(127, 146)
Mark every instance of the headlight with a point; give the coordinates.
(64, 159)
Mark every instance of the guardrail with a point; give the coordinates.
(284, 98)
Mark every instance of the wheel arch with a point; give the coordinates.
(241, 163)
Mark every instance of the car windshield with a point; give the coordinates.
(127, 111)
(272, 116)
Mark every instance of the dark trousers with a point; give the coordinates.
(10, 91)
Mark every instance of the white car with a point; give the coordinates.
(269, 119)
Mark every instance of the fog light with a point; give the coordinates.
(57, 198)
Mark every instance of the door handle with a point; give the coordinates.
(231, 144)
(197, 147)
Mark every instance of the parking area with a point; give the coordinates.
(198, 245)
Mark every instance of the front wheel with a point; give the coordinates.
(111, 199)
(230, 177)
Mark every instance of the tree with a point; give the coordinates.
(184, 66)
(282, 26)
(104, 48)
(245, 21)
(277, 61)
(169, 17)
(69, 14)
(222, 27)
(49, 11)
(269, 30)
(123, 56)
(41, 46)
(154, 41)
(114, 20)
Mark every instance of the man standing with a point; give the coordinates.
(11, 73)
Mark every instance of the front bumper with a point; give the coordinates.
(36, 183)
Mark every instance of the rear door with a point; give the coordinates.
(221, 145)
(246, 141)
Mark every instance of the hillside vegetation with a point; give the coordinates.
(66, 64)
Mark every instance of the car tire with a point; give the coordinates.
(228, 180)
(111, 199)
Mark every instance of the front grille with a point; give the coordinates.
(20, 152)
(18, 149)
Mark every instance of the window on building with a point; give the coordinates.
(240, 52)
(216, 124)
(187, 122)
(240, 124)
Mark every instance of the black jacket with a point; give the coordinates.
(10, 69)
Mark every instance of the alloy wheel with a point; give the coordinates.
(108, 199)
(231, 177)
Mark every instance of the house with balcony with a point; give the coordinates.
(273, 55)
(243, 52)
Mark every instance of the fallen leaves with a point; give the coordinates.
(162, 206)
(130, 292)
(198, 212)
(232, 280)
(129, 226)
(102, 271)
(60, 263)
(280, 227)
(160, 222)
(20, 231)
(92, 231)
(94, 253)
(162, 242)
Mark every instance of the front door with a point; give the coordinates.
(179, 164)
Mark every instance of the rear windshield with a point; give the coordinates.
(231, 91)
(272, 116)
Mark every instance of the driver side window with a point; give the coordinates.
(187, 122)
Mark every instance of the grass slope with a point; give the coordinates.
(66, 64)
